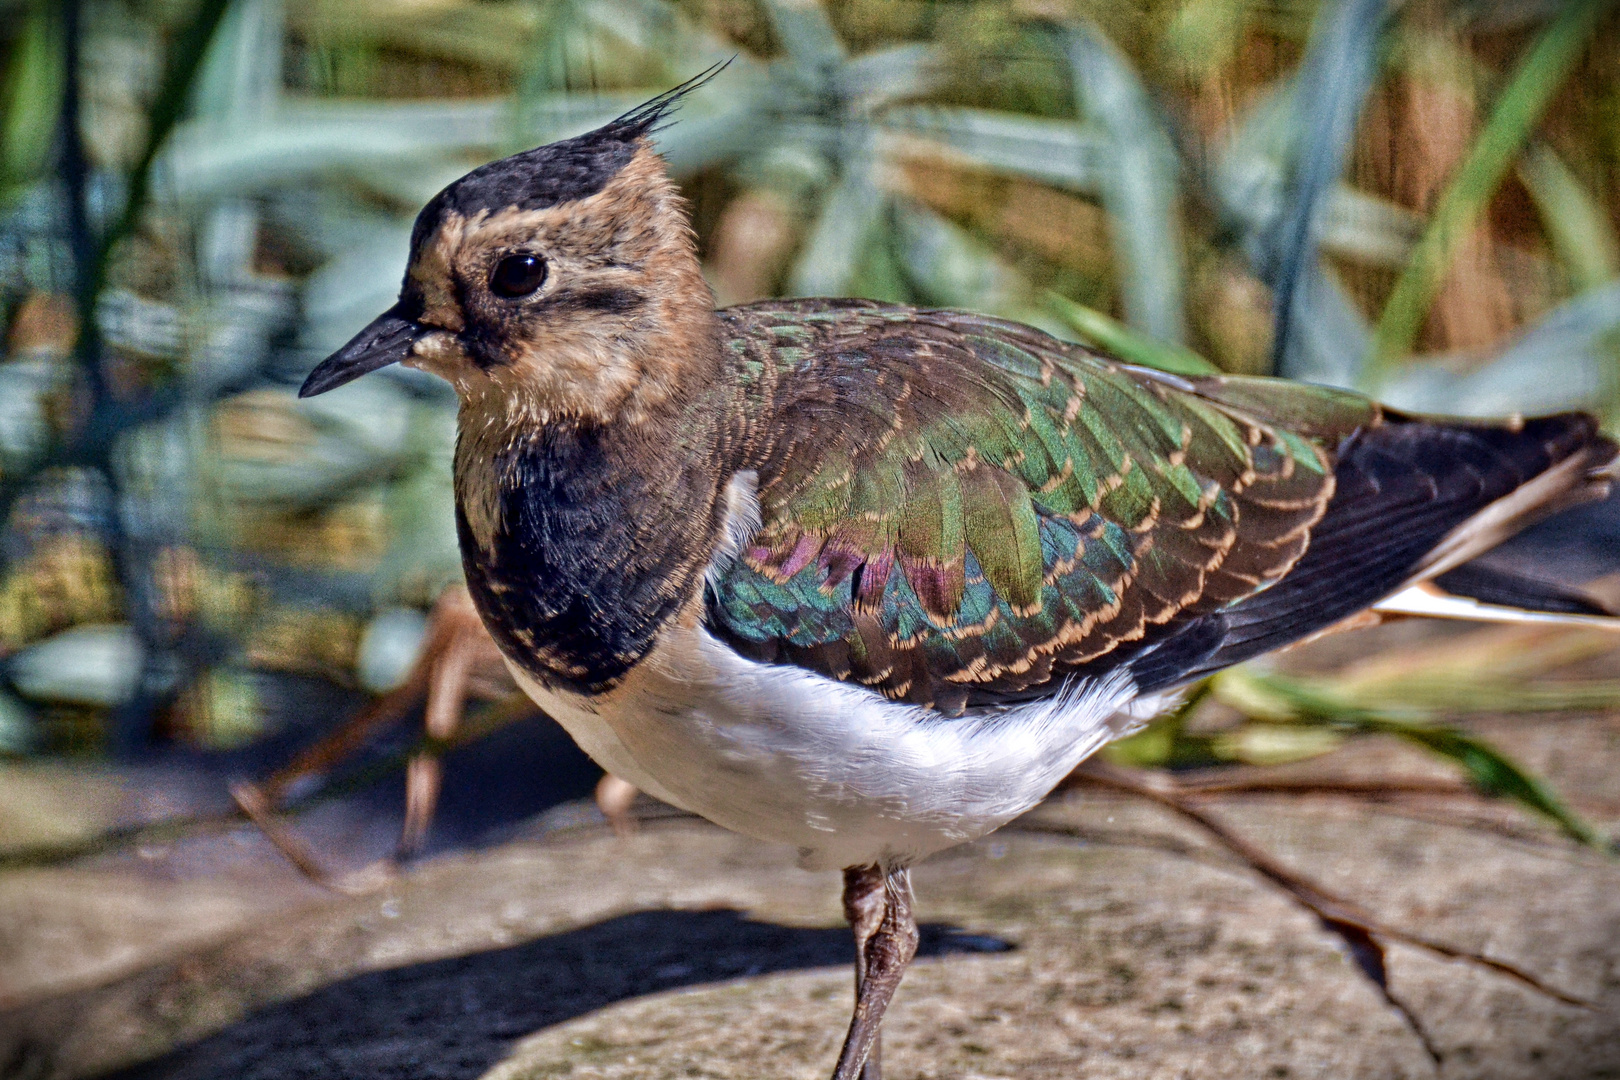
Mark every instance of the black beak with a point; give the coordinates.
(386, 341)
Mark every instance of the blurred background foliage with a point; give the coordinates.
(200, 198)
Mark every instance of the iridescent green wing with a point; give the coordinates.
(955, 509)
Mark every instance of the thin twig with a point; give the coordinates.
(1331, 909)
(251, 799)
(493, 718)
(1361, 788)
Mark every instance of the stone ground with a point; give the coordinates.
(1099, 937)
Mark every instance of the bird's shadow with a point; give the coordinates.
(454, 1019)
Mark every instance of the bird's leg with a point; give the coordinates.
(863, 908)
(878, 906)
(615, 796)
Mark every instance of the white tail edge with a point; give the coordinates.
(1428, 600)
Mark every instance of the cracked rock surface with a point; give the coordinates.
(1099, 937)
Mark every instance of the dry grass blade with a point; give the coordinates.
(260, 810)
(1374, 789)
(1511, 653)
(486, 722)
(1517, 111)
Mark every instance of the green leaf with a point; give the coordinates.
(1367, 229)
(1598, 695)
(1565, 361)
(1275, 744)
(1116, 338)
(1138, 183)
(806, 34)
(716, 127)
(304, 139)
(950, 267)
(1329, 90)
(1205, 35)
(878, 275)
(499, 36)
(1518, 109)
(1165, 743)
(33, 98)
(847, 223)
(1329, 336)
(241, 72)
(1494, 773)
(1576, 223)
(905, 71)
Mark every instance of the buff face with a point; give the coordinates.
(574, 310)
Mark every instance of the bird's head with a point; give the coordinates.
(559, 283)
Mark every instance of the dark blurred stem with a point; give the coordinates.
(76, 179)
(186, 55)
(92, 446)
(86, 448)
(107, 418)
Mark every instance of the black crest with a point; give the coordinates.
(558, 172)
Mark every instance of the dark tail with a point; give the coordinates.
(1507, 587)
(1415, 498)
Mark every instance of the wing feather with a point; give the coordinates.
(955, 508)
(961, 511)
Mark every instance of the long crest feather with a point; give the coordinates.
(648, 117)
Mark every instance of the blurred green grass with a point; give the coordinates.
(1421, 199)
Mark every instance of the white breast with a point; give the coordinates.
(845, 775)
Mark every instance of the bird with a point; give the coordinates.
(870, 579)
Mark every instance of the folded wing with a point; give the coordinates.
(958, 510)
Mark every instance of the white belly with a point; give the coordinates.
(835, 769)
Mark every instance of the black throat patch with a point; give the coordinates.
(588, 560)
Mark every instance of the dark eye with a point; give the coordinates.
(517, 275)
